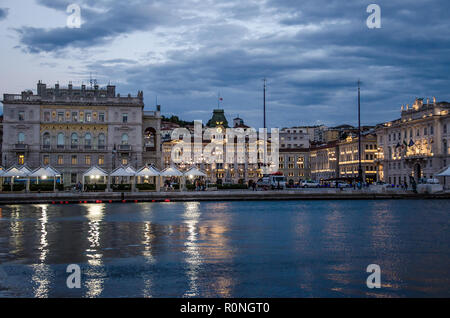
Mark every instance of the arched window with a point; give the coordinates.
(46, 140)
(74, 140)
(124, 139)
(60, 141)
(21, 138)
(150, 139)
(88, 140)
(101, 141)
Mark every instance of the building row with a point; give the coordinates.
(74, 128)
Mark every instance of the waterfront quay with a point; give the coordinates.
(230, 195)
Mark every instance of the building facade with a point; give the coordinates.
(415, 145)
(295, 165)
(349, 157)
(324, 161)
(73, 129)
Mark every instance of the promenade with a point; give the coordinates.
(230, 195)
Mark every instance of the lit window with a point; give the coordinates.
(21, 159)
(60, 160)
(46, 160)
(60, 116)
(124, 161)
(88, 117)
(87, 160)
(74, 160)
(101, 160)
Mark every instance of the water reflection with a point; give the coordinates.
(41, 272)
(193, 260)
(95, 272)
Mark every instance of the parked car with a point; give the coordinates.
(310, 184)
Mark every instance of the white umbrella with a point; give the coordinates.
(14, 172)
(95, 171)
(445, 173)
(123, 172)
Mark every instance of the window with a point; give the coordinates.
(60, 116)
(21, 138)
(46, 116)
(445, 128)
(46, 160)
(74, 160)
(21, 159)
(60, 160)
(124, 139)
(87, 141)
(124, 118)
(101, 117)
(74, 141)
(21, 116)
(74, 117)
(88, 117)
(87, 160)
(60, 141)
(124, 161)
(101, 141)
(101, 160)
(46, 140)
(431, 130)
(73, 178)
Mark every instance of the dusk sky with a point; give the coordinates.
(312, 53)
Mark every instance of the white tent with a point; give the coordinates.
(444, 173)
(174, 172)
(95, 173)
(44, 173)
(171, 172)
(149, 171)
(123, 172)
(15, 172)
(194, 172)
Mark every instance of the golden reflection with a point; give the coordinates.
(41, 272)
(191, 215)
(95, 272)
(148, 255)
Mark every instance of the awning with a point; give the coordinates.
(147, 171)
(123, 172)
(15, 172)
(171, 172)
(44, 172)
(94, 172)
(194, 172)
(444, 173)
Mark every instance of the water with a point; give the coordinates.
(227, 249)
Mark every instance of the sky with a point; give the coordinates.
(183, 53)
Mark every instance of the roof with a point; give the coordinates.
(95, 171)
(195, 172)
(171, 172)
(147, 171)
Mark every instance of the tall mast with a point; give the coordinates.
(265, 103)
(360, 176)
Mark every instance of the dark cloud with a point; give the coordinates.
(312, 52)
(3, 13)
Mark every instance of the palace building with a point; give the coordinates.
(415, 145)
(74, 129)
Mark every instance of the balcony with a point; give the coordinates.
(124, 148)
(21, 147)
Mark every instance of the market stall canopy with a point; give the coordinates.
(147, 171)
(95, 171)
(43, 172)
(123, 172)
(171, 172)
(195, 172)
(25, 169)
(15, 172)
(444, 173)
(2, 171)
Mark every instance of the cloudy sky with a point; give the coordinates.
(184, 52)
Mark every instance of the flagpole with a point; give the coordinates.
(360, 176)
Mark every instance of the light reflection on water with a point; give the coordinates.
(227, 249)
